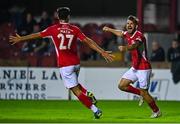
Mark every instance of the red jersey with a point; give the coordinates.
(64, 36)
(138, 55)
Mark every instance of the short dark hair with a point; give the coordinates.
(63, 12)
(134, 19)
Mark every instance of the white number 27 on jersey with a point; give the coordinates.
(69, 38)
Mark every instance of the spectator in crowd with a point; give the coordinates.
(16, 16)
(174, 52)
(158, 54)
(41, 48)
(45, 20)
(174, 57)
(37, 46)
(28, 24)
(44, 23)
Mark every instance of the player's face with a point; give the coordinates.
(130, 27)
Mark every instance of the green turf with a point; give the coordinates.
(73, 111)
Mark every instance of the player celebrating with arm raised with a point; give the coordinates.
(64, 36)
(141, 68)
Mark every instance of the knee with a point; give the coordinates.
(76, 91)
(121, 86)
(143, 92)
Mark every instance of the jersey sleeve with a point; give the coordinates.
(46, 32)
(81, 36)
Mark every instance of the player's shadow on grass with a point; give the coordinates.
(129, 117)
(170, 115)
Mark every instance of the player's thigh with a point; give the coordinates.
(69, 76)
(144, 78)
(128, 77)
(124, 83)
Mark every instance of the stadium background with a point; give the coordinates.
(33, 76)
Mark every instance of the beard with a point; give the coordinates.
(131, 31)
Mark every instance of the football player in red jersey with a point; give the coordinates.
(141, 68)
(64, 36)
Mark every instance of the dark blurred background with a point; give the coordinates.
(159, 21)
(78, 7)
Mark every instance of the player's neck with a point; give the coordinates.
(132, 33)
(63, 21)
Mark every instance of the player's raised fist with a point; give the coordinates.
(105, 28)
(122, 48)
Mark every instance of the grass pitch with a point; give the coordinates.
(73, 111)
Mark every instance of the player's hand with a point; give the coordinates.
(108, 56)
(106, 29)
(122, 48)
(14, 39)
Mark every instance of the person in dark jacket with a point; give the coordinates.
(173, 56)
(157, 54)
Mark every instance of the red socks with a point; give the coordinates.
(83, 89)
(153, 106)
(132, 89)
(85, 100)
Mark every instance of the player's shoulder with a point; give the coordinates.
(139, 33)
(52, 26)
(74, 27)
(140, 36)
(49, 28)
(125, 32)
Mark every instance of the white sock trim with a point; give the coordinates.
(94, 108)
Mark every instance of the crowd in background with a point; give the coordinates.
(26, 23)
(158, 53)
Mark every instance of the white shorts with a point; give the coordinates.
(142, 76)
(69, 75)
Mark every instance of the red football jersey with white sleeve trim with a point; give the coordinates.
(139, 55)
(64, 36)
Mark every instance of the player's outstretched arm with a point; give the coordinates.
(114, 31)
(18, 38)
(106, 54)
